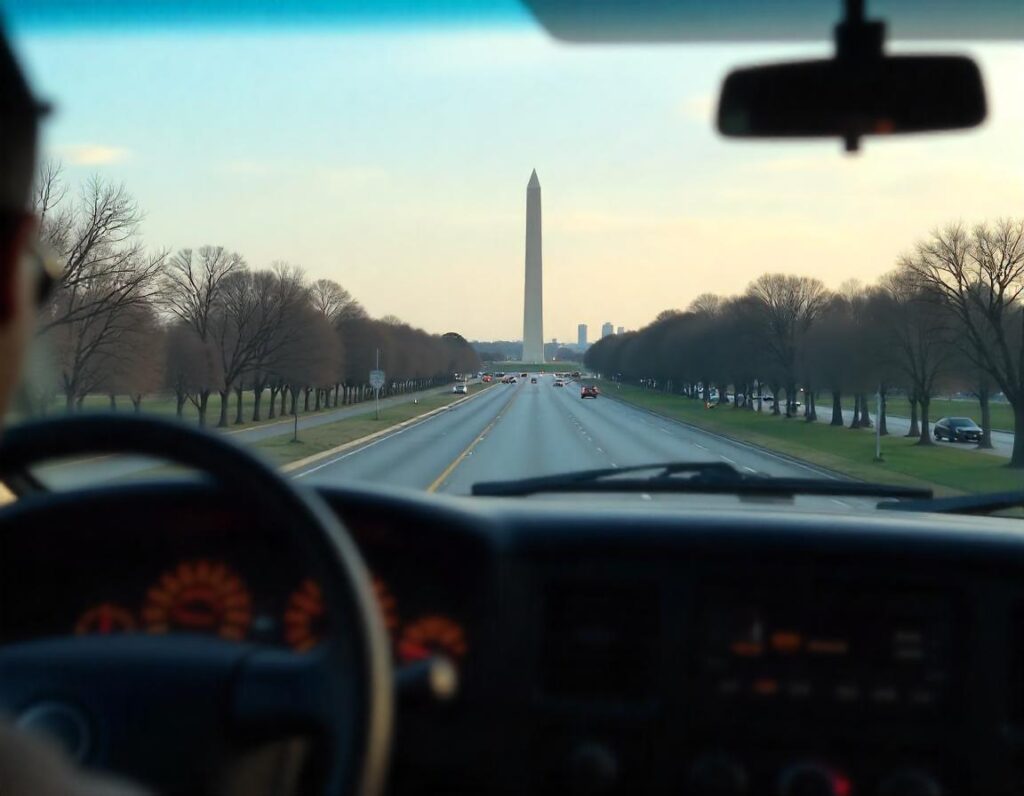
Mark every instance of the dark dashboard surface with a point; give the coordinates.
(611, 651)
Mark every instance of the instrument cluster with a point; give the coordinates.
(212, 597)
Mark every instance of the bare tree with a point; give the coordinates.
(979, 276)
(333, 301)
(788, 306)
(192, 366)
(919, 330)
(191, 290)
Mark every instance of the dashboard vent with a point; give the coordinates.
(601, 640)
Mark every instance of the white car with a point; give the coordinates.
(460, 389)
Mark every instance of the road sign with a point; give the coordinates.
(376, 379)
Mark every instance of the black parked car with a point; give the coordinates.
(957, 429)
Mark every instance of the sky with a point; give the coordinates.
(395, 161)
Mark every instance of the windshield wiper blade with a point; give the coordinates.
(701, 477)
(963, 504)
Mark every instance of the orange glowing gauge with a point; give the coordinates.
(388, 605)
(431, 635)
(304, 617)
(199, 596)
(105, 619)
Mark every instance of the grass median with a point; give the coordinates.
(847, 451)
(281, 450)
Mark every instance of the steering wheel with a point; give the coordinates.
(170, 711)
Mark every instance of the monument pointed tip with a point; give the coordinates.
(534, 182)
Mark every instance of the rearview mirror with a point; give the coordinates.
(815, 99)
(859, 92)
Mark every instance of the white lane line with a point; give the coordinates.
(726, 459)
(337, 459)
(749, 469)
(700, 446)
(840, 503)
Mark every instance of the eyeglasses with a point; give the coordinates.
(46, 265)
(49, 269)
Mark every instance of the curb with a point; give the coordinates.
(298, 464)
(817, 468)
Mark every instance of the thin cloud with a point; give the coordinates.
(93, 154)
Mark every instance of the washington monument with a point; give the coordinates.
(533, 304)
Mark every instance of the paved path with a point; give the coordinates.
(898, 426)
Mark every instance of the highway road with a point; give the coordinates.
(85, 472)
(523, 430)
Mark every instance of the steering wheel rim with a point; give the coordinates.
(347, 588)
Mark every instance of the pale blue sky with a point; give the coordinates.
(396, 163)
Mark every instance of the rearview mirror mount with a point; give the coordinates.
(861, 91)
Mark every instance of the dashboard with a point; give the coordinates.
(600, 650)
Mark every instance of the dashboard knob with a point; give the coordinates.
(717, 775)
(593, 768)
(909, 782)
(813, 779)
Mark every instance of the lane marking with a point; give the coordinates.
(749, 469)
(840, 503)
(387, 434)
(469, 449)
(726, 459)
(700, 446)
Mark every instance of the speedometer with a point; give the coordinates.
(430, 635)
(304, 617)
(199, 596)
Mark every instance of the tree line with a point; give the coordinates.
(201, 323)
(949, 316)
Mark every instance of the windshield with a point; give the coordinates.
(430, 252)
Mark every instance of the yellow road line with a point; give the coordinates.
(469, 448)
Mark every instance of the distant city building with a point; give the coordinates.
(581, 335)
(607, 330)
(620, 331)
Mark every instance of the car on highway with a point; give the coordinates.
(957, 429)
(487, 379)
(227, 569)
(460, 389)
(589, 391)
(533, 380)
(523, 375)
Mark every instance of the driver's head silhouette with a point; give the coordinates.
(29, 766)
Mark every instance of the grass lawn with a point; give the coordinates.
(281, 450)
(1002, 413)
(544, 367)
(847, 451)
(164, 405)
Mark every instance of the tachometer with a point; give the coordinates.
(431, 635)
(304, 617)
(199, 596)
(105, 619)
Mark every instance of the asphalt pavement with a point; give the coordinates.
(524, 430)
(83, 472)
